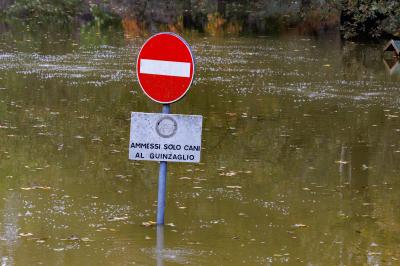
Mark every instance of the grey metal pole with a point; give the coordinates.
(162, 182)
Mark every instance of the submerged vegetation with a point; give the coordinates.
(356, 19)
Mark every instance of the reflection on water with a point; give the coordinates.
(392, 66)
(9, 232)
(300, 161)
(160, 245)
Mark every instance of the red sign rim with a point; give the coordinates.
(191, 56)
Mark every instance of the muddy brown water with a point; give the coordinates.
(300, 160)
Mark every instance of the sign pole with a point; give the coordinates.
(162, 181)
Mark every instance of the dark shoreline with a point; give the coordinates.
(214, 18)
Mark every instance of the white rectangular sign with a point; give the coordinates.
(165, 137)
(166, 68)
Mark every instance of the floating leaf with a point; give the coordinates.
(237, 187)
(341, 162)
(36, 187)
(299, 226)
(25, 234)
(374, 253)
(149, 223)
(115, 219)
(230, 173)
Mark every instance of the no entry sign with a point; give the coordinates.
(165, 67)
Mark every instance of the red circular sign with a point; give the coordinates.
(165, 67)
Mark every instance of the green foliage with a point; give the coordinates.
(62, 12)
(370, 19)
(104, 18)
(359, 19)
(45, 10)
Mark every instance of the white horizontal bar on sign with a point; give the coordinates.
(165, 68)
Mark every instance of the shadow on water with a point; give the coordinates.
(392, 66)
(359, 58)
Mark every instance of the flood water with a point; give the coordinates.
(300, 160)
